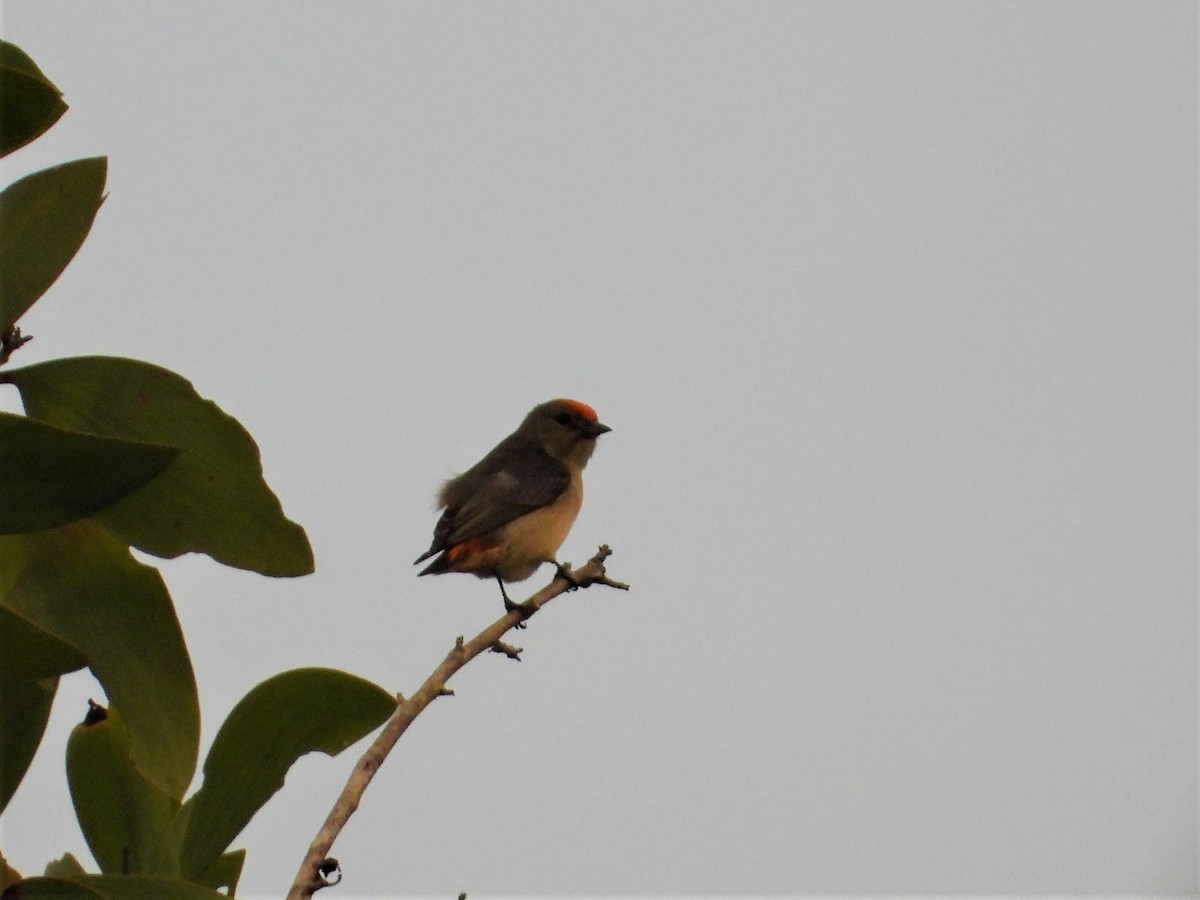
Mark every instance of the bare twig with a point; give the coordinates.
(309, 877)
(507, 649)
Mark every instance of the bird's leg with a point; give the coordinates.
(564, 572)
(524, 608)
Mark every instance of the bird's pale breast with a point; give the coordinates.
(535, 537)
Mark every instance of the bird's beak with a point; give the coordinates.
(596, 429)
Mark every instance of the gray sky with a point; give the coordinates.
(892, 308)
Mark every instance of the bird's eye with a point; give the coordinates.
(563, 418)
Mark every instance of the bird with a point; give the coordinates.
(511, 511)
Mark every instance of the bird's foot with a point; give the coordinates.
(526, 609)
(563, 571)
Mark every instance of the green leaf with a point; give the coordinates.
(29, 102)
(212, 499)
(30, 661)
(29, 652)
(82, 587)
(66, 866)
(275, 724)
(109, 887)
(24, 711)
(50, 476)
(124, 818)
(225, 872)
(44, 219)
(57, 888)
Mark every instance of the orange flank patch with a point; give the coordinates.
(473, 555)
(583, 409)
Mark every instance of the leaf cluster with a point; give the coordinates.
(113, 454)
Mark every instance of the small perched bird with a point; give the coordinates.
(511, 511)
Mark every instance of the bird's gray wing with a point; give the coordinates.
(481, 501)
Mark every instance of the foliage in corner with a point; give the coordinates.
(114, 454)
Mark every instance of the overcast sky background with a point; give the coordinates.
(892, 309)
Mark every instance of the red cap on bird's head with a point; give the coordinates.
(576, 417)
(582, 409)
